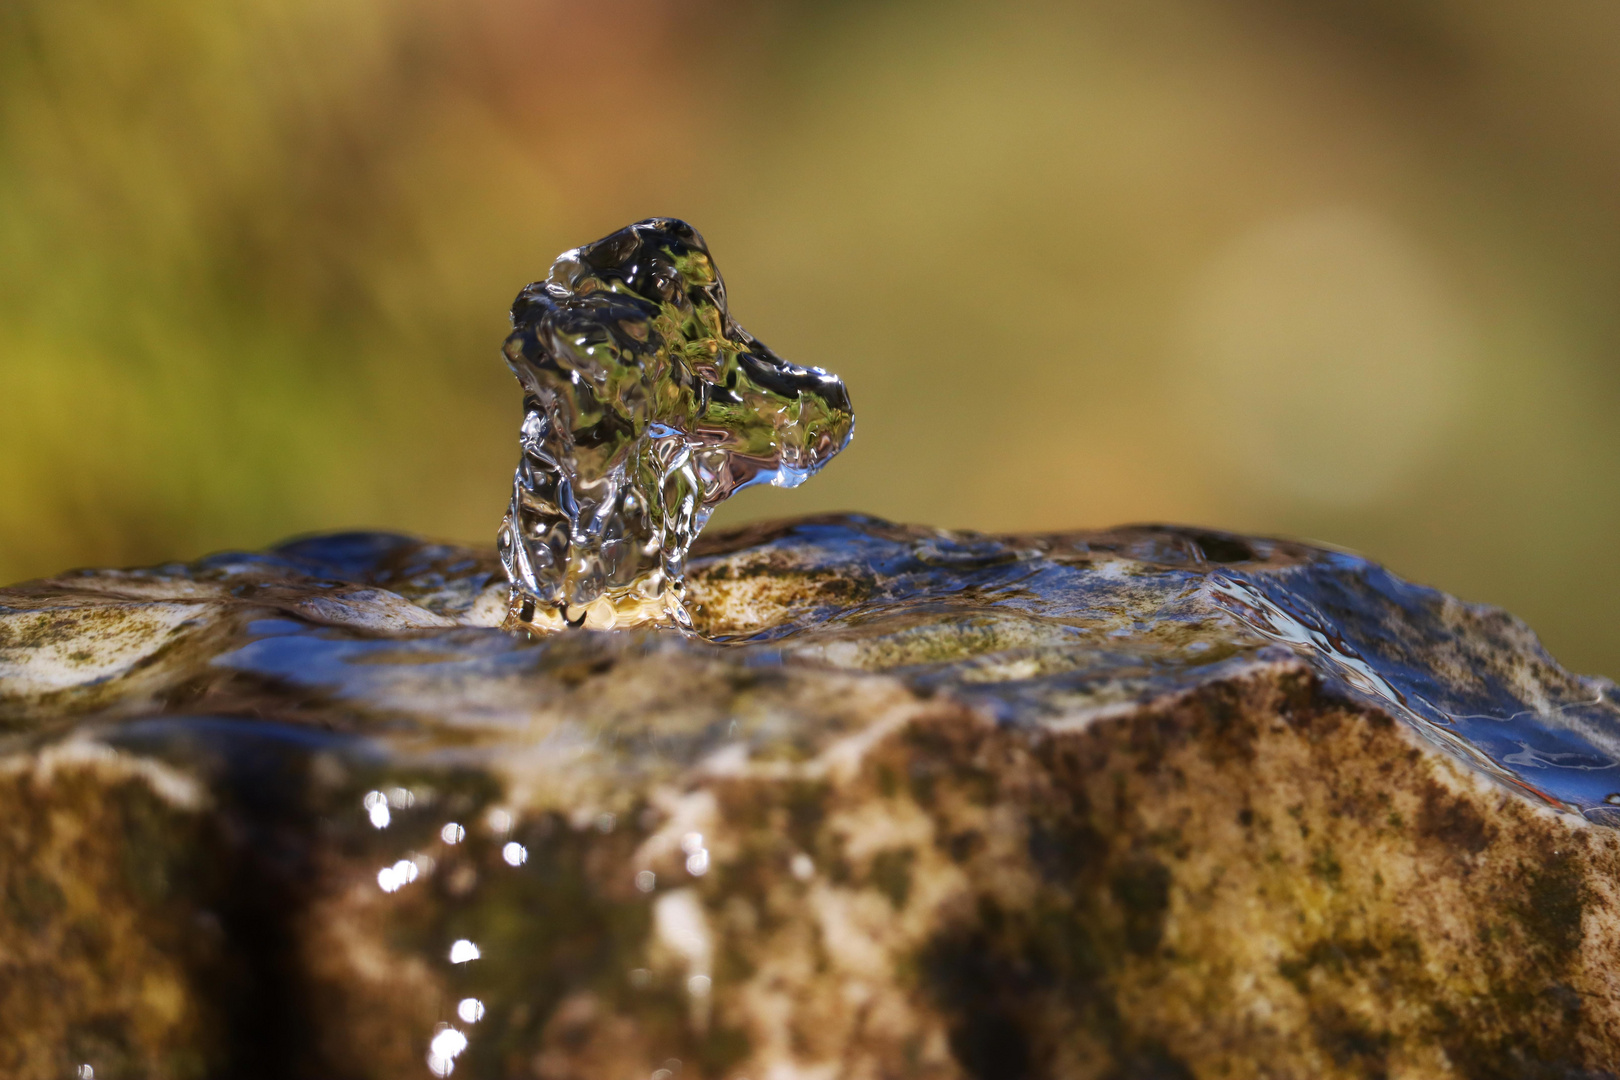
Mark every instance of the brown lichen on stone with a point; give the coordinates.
(109, 948)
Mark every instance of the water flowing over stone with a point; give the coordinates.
(645, 406)
(1146, 802)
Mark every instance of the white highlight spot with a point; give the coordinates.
(692, 843)
(646, 880)
(515, 854)
(444, 1048)
(448, 1043)
(698, 986)
(452, 833)
(801, 867)
(697, 863)
(471, 1010)
(376, 804)
(85, 1072)
(396, 877)
(463, 951)
(500, 822)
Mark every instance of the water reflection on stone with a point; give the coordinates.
(376, 804)
(446, 1046)
(393, 878)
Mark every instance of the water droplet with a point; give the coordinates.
(444, 1049)
(471, 1010)
(452, 833)
(393, 878)
(515, 854)
(449, 1043)
(463, 951)
(376, 804)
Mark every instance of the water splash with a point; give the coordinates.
(645, 406)
(1468, 678)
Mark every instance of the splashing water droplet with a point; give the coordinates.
(444, 1049)
(376, 804)
(645, 406)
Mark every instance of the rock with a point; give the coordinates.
(1147, 803)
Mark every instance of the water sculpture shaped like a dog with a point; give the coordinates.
(645, 406)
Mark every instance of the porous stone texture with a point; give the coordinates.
(915, 804)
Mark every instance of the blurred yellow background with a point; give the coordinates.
(1341, 270)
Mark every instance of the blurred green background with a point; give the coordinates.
(1341, 270)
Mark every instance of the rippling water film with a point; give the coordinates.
(645, 406)
(1049, 629)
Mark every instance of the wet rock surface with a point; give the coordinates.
(1145, 803)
